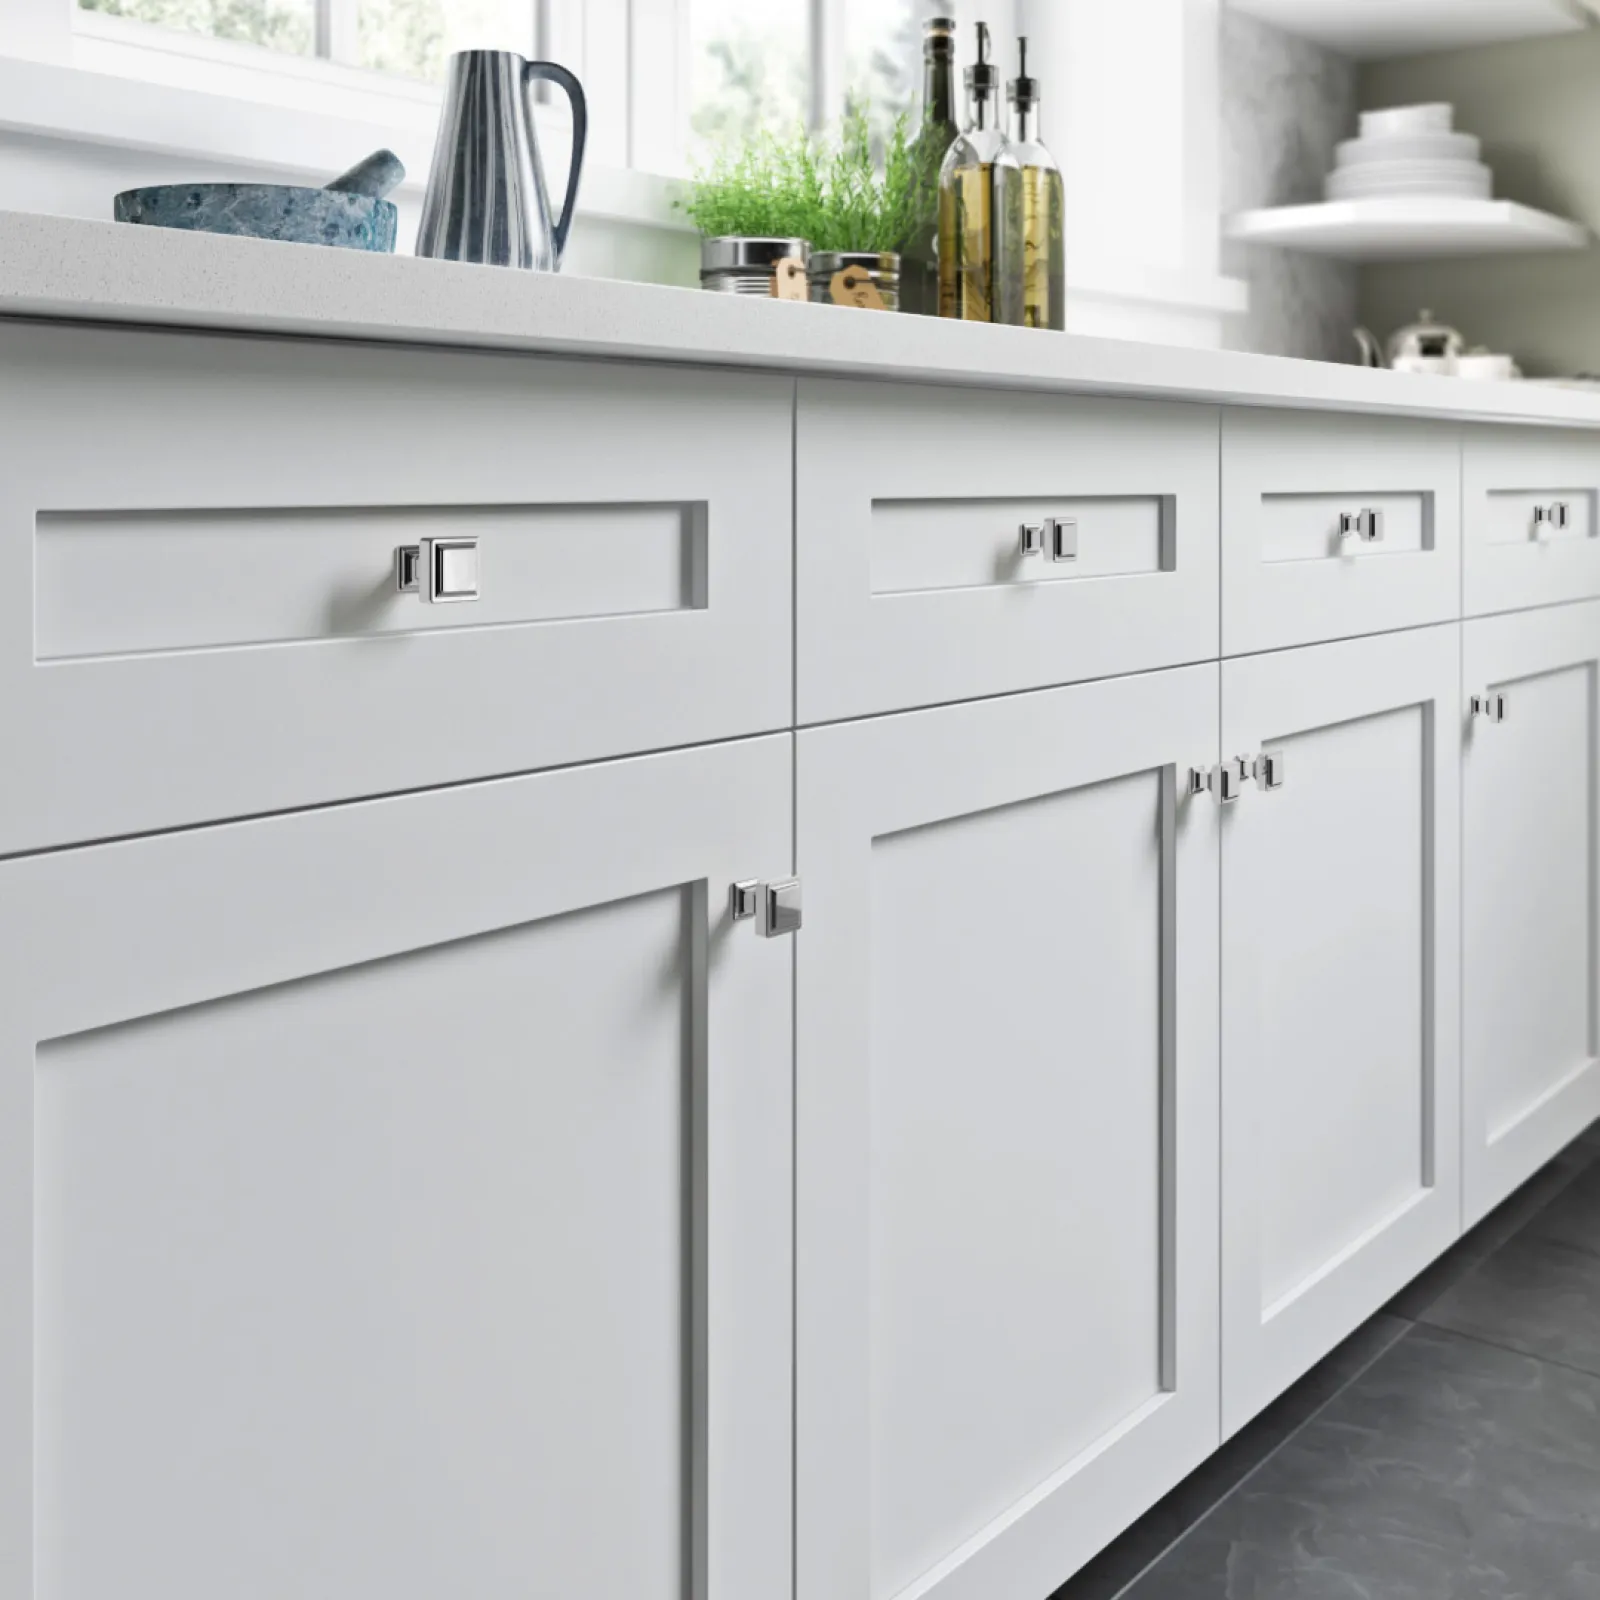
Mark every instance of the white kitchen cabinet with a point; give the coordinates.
(1531, 856)
(395, 1198)
(1340, 995)
(1006, 1146)
(205, 622)
(1531, 518)
(915, 583)
(1334, 526)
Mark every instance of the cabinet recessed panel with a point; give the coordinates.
(1317, 527)
(1340, 994)
(953, 544)
(1342, 935)
(1521, 516)
(1016, 1104)
(110, 583)
(377, 1280)
(1531, 841)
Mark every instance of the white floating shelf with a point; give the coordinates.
(1373, 29)
(1410, 228)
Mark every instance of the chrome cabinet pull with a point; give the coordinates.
(1267, 769)
(1030, 539)
(1062, 534)
(1491, 706)
(1546, 519)
(1365, 525)
(775, 905)
(1227, 779)
(438, 570)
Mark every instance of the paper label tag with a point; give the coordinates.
(788, 278)
(853, 286)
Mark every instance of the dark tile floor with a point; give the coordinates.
(1448, 1450)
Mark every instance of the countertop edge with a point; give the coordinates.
(72, 269)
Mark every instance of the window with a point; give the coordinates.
(664, 77)
(774, 64)
(409, 38)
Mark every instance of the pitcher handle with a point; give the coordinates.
(551, 73)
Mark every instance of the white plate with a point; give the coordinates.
(1409, 147)
(1389, 171)
(1436, 118)
(1357, 184)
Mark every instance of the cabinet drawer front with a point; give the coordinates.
(1340, 997)
(368, 1157)
(1531, 855)
(1334, 526)
(914, 585)
(1006, 1113)
(1532, 517)
(214, 626)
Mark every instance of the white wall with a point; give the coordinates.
(1285, 105)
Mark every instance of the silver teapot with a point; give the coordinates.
(486, 198)
(1425, 345)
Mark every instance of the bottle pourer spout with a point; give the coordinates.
(983, 78)
(1023, 91)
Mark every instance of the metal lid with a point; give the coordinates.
(827, 262)
(983, 77)
(1426, 337)
(937, 31)
(733, 253)
(1023, 91)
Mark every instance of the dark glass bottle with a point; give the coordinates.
(919, 260)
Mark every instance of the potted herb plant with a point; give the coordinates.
(754, 205)
(778, 200)
(868, 210)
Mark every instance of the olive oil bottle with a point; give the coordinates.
(919, 257)
(966, 198)
(1030, 261)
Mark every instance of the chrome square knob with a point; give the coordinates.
(1061, 534)
(438, 570)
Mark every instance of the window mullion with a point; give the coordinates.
(825, 52)
(338, 30)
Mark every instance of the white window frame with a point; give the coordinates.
(633, 57)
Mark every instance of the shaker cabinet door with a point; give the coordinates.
(1340, 991)
(395, 1199)
(957, 543)
(1531, 969)
(1006, 1135)
(1335, 526)
(1531, 517)
(203, 616)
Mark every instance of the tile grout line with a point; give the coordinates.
(1511, 1350)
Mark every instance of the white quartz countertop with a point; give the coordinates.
(69, 268)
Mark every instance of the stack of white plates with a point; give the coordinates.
(1409, 150)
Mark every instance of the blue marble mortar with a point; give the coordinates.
(349, 214)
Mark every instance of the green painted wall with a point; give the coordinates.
(1536, 106)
